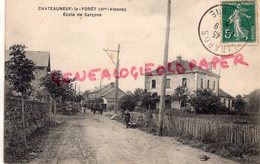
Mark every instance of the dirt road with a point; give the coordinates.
(97, 139)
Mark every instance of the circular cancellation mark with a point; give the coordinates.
(211, 32)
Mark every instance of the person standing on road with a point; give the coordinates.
(101, 109)
(127, 118)
(84, 108)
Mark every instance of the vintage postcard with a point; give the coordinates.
(131, 81)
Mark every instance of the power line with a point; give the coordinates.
(156, 5)
(117, 73)
(157, 8)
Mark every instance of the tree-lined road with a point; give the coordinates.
(97, 139)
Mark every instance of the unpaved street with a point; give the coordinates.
(97, 139)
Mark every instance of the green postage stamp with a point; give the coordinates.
(239, 21)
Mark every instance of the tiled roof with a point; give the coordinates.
(106, 93)
(40, 58)
(222, 93)
(186, 66)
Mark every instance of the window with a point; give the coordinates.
(153, 83)
(201, 83)
(168, 83)
(184, 82)
(208, 84)
(214, 85)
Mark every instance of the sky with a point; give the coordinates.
(77, 43)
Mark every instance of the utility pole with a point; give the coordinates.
(164, 75)
(75, 90)
(117, 74)
(75, 93)
(99, 88)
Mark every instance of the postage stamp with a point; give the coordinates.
(210, 33)
(239, 21)
(228, 27)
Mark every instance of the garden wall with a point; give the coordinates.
(36, 116)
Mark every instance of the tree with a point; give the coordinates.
(58, 87)
(138, 94)
(149, 100)
(127, 102)
(253, 101)
(239, 104)
(181, 94)
(20, 74)
(146, 99)
(79, 97)
(205, 102)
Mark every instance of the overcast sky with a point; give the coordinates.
(76, 43)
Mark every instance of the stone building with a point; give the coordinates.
(192, 79)
(107, 93)
(41, 60)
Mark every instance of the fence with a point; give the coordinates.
(207, 130)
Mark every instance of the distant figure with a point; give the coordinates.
(84, 108)
(96, 107)
(92, 108)
(101, 109)
(127, 118)
(104, 107)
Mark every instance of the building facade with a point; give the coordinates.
(192, 80)
(107, 93)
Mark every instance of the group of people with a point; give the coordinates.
(102, 107)
(98, 107)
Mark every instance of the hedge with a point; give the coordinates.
(36, 116)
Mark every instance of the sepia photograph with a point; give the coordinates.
(131, 82)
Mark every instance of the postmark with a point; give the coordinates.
(238, 21)
(210, 33)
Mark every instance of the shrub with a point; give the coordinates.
(205, 102)
(127, 102)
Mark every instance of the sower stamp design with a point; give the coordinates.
(238, 21)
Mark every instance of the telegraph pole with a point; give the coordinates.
(117, 74)
(99, 88)
(164, 75)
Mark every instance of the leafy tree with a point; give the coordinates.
(138, 94)
(181, 94)
(20, 74)
(239, 104)
(253, 101)
(146, 99)
(149, 100)
(58, 87)
(205, 101)
(79, 97)
(129, 92)
(127, 102)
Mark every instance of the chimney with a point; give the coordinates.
(112, 85)
(179, 58)
(210, 66)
